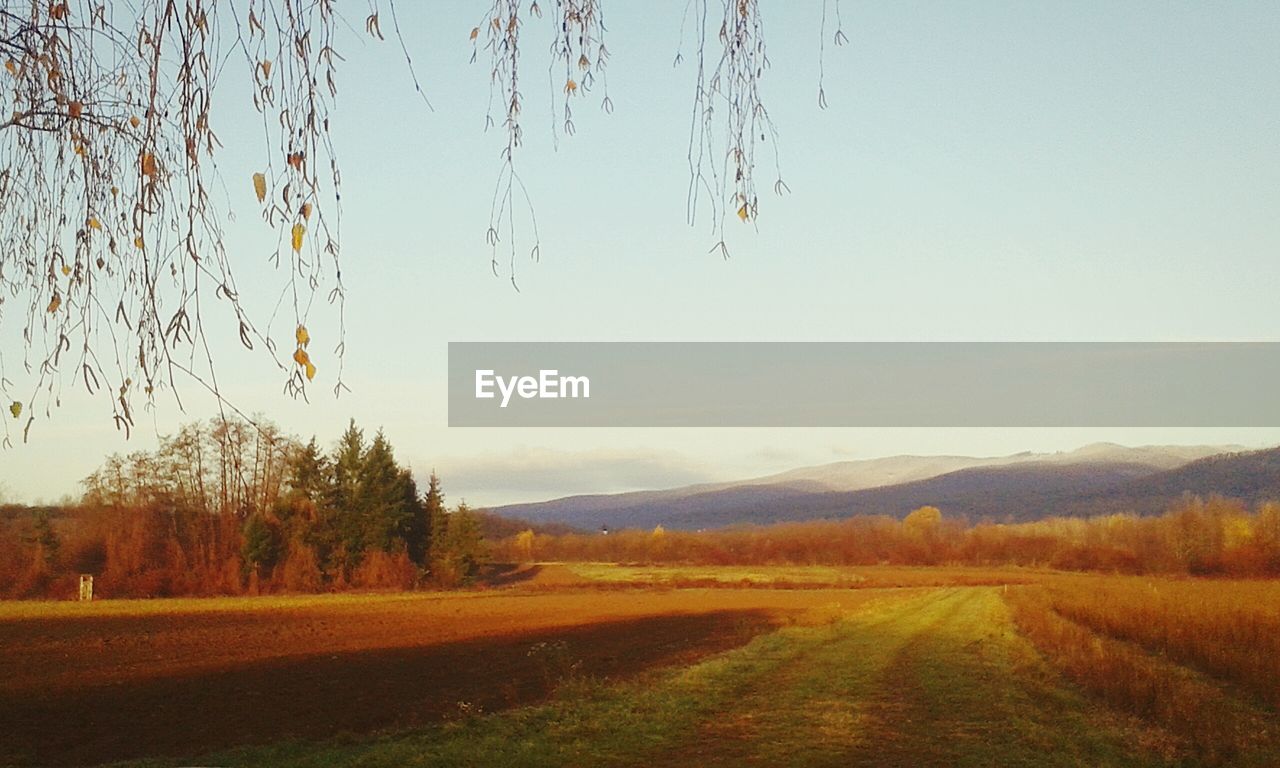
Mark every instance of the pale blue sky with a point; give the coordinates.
(985, 171)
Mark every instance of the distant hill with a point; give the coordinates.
(1097, 479)
(1251, 476)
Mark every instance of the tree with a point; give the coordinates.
(524, 545)
(387, 498)
(462, 551)
(111, 113)
(348, 462)
(261, 547)
(923, 523)
(437, 517)
(44, 538)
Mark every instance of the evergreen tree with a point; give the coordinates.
(348, 464)
(261, 547)
(415, 536)
(386, 497)
(437, 517)
(463, 551)
(44, 538)
(310, 479)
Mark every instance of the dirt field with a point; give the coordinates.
(84, 684)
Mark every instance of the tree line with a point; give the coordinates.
(228, 507)
(1195, 536)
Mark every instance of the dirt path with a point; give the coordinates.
(937, 680)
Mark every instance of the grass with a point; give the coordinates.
(802, 576)
(22, 610)
(910, 666)
(1228, 629)
(1086, 627)
(679, 575)
(907, 679)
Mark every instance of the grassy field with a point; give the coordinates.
(800, 576)
(997, 668)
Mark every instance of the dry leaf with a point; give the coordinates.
(742, 212)
(134, 121)
(570, 86)
(300, 356)
(260, 186)
(15, 408)
(55, 302)
(94, 223)
(303, 337)
(298, 231)
(148, 164)
(306, 211)
(12, 66)
(311, 370)
(66, 271)
(137, 242)
(266, 68)
(75, 108)
(475, 32)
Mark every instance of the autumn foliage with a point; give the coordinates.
(1196, 536)
(228, 508)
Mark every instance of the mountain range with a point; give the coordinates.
(1098, 479)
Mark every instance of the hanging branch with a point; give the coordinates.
(113, 242)
(729, 115)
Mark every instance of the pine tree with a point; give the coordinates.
(437, 517)
(261, 545)
(348, 463)
(385, 498)
(464, 548)
(44, 538)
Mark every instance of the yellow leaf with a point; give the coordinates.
(298, 231)
(300, 356)
(16, 409)
(260, 186)
(55, 302)
(66, 270)
(570, 86)
(303, 337)
(311, 371)
(742, 212)
(148, 164)
(306, 210)
(134, 121)
(137, 242)
(12, 66)
(115, 191)
(94, 223)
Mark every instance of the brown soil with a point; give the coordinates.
(78, 690)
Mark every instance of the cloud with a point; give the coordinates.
(536, 474)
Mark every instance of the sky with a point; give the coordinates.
(1090, 171)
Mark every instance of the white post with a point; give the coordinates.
(86, 586)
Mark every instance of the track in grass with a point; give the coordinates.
(914, 680)
(862, 677)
